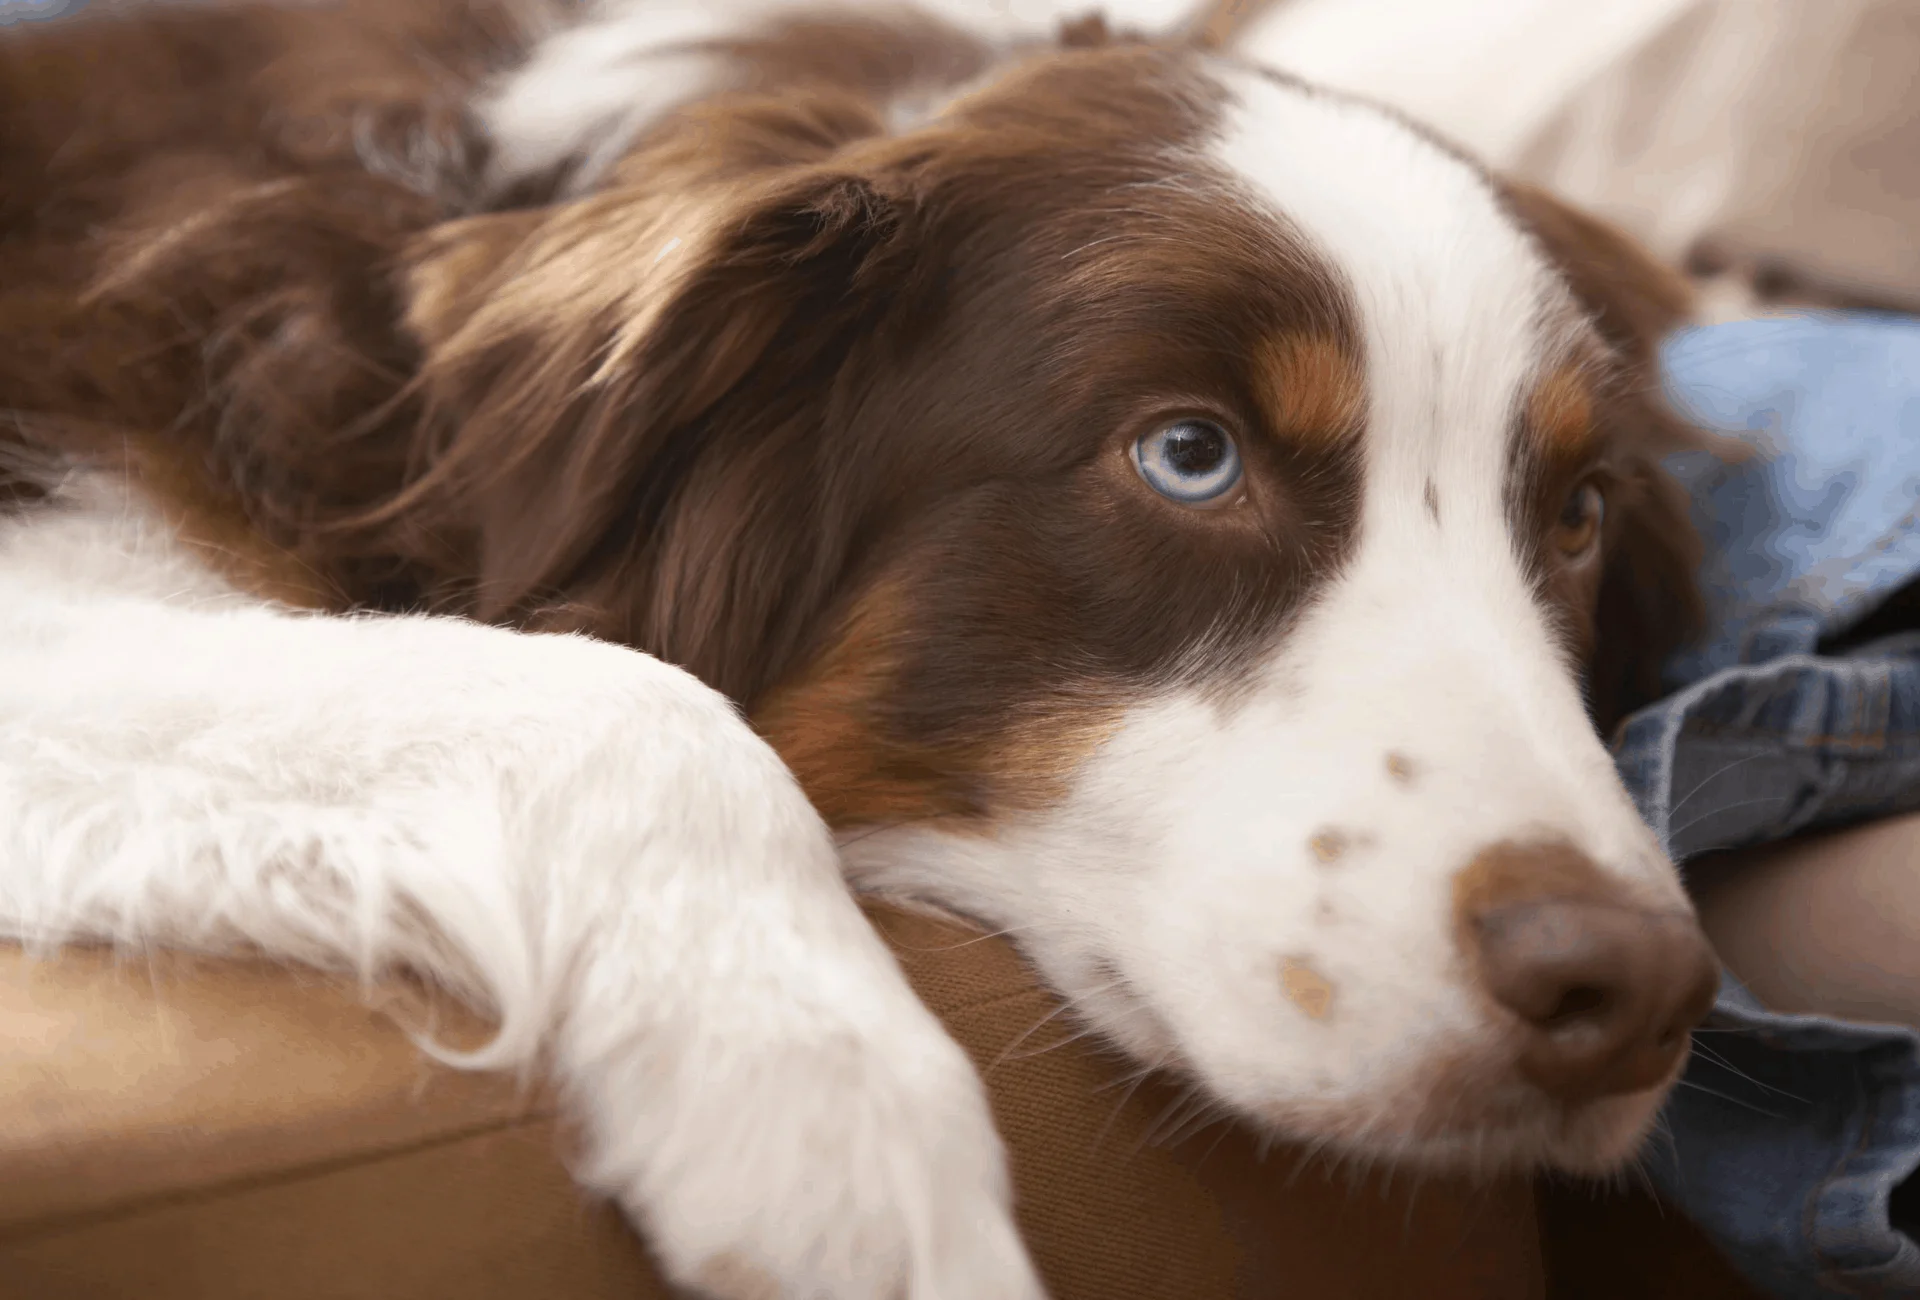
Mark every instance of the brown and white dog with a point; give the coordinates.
(1188, 520)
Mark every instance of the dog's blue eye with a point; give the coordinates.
(1192, 462)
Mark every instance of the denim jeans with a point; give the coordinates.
(1791, 1133)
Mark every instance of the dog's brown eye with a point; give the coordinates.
(1578, 527)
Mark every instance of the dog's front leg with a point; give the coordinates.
(588, 843)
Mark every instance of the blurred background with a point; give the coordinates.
(1771, 144)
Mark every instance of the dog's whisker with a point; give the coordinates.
(1727, 1065)
(1065, 1008)
(1705, 781)
(1692, 1086)
(1720, 809)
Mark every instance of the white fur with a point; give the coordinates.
(589, 89)
(1182, 861)
(586, 841)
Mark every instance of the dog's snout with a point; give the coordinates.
(1606, 990)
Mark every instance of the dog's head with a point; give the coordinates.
(1188, 519)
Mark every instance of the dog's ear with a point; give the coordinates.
(611, 374)
(1649, 603)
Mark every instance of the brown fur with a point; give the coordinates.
(1560, 415)
(1647, 604)
(832, 727)
(829, 726)
(1509, 875)
(1316, 390)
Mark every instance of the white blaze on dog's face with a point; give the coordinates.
(1180, 513)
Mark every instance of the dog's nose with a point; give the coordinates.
(1607, 994)
(1606, 990)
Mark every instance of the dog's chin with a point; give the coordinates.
(1593, 1140)
(1528, 1133)
(1468, 1115)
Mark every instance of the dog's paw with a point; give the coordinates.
(842, 1168)
(760, 1086)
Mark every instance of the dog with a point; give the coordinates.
(544, 495)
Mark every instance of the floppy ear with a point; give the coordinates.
(628, 385)
(1649, 604)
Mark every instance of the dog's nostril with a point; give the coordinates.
(1582, 1000)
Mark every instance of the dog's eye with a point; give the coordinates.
(1191, 461)
(1578, 527)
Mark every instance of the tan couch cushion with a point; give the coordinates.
(181, 1128)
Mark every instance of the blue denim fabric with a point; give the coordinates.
(27, 11)
(1790, 1132)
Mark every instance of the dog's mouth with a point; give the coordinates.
(1470, 1113)
(1495, 1129)
(1591, 1139)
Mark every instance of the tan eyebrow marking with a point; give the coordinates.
(1314, 389)
(1560, 414)
(824, 722)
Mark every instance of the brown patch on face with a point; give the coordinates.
(1034, 757)
(1559, 415)
(837, 728)
(1315, 392)
(1306, 987)
(1399, 768)
(827, 726)
(1328, 846)
(1562, 462)
(1627, 613)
